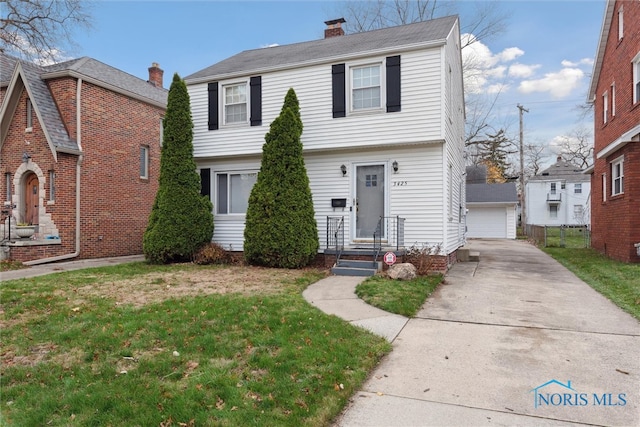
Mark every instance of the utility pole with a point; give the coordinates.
(522, 195)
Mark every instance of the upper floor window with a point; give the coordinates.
(577, 188)
(553, 188)
(613, 100)
(365, 87)
(233, 190)
(29, 115)
(52, 185)
(636, 78)
(235, 103)
(620, 23)
(144, 162)
(605, 107)
(617, 176)
(7, 180)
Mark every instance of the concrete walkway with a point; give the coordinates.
(485, 344)
(42, 269)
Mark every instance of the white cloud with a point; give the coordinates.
(558, 84)
(521, 70)
(509, 54)
(583, 61)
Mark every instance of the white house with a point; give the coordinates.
(383, 115)
(559, 195)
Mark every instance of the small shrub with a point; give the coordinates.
(211, 253)
(423, 257)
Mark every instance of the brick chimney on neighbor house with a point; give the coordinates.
(334, 28)
(155, 75)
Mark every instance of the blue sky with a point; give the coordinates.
(543, 60)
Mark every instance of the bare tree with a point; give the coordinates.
(38, 29)
(535, 156)
(577, 147)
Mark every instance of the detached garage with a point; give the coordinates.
(492, 210)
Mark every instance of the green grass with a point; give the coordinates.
(618, 281)
(73, 356)
(398, 296)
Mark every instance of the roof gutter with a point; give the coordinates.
(78, 176)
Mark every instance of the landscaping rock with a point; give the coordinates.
(402, 271)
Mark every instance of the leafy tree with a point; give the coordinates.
(36, 29)
(280, 228)
(181, 219)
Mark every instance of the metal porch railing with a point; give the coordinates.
(335, 234)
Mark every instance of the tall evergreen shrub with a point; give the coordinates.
(280, 228)
(181, 220)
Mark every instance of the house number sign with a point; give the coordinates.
(400, 183)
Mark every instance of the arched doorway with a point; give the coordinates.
(31, 199)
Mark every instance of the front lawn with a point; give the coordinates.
(616, 280)
(137, 344)
(404, 297)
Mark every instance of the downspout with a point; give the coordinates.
(78, 170)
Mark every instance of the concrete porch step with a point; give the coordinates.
(352, 271)
(474, 256)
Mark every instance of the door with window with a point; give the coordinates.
(370, 200)
(32, 199)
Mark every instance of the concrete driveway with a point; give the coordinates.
(515, 339)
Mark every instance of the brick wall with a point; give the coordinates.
(615, 222)
(115, 201)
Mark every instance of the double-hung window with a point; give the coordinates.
(620, 23)
(613, 100)
(233, 190)
(577, 188)
(636, 78)
(235, 103)
(605, 107)
(553, 188)
(144, 162)
(617, 176)
(365, 87)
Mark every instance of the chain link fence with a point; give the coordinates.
(563, 236)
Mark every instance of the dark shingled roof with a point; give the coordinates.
(561, 170)
(492, 193)
(36, 76)
(324, 49)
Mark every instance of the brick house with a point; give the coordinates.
(615, 93)
(79, 155)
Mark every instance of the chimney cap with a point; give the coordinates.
(336, 22)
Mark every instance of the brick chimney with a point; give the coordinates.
(334, 28)
(155, 75)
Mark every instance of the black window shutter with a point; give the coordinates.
(205, 182)
(338, 90)
(393, 83)
(213, 106)
(256, 100)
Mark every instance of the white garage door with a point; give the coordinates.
(487, 222)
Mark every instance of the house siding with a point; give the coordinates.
(417, 122)
(538, 207)
(615, 220)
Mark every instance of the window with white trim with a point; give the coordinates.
(553, 188)
(620, 23)
(578, 212)
(29, 124)
(366, 87)
(613, 100)
(553, 211)
(636, 78)
(233, 190)
(604, 187)
(617, 176)
(605, 107)
(577, 188)
(235, 103)
(144, 162)
(7, 180)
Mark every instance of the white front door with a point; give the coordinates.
(370, 200)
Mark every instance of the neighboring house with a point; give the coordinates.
(492, 210)
(615, 94)
(383, 115)
(79, 153)
(559, 195)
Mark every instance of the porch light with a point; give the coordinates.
(395, 166)
(25, 157)
(343, 169)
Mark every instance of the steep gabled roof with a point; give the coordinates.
(561, 170)
(492, 193)
(433, 32)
